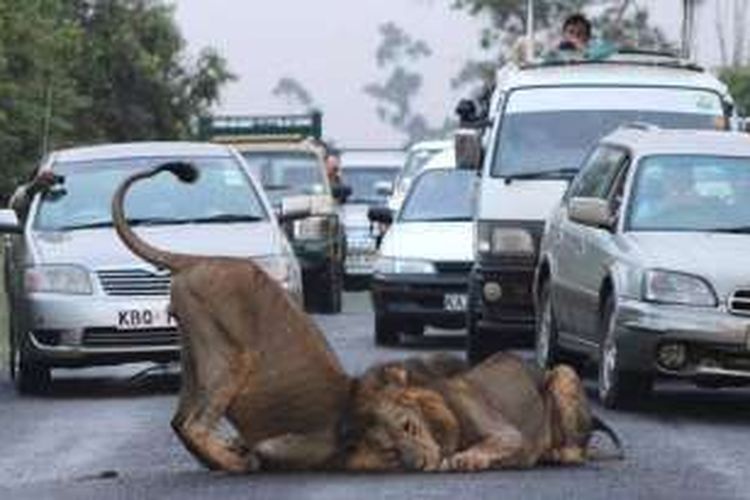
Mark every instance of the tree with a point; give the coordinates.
(291, 90)
(397, 53)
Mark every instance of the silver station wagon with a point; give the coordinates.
(78, 297)
(645, 263)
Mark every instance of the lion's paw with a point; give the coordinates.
(468, 461)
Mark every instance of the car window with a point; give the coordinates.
(222, 190)
(415, 161)
(596, 177)
(440, 195)
(690, 193)
(547, 129)
(287, 173)
(364, 181)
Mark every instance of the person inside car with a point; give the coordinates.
(576, 33)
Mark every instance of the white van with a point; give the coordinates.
(542, 121)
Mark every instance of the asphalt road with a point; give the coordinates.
(105, 433)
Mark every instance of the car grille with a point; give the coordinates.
(110, 337)
(457, 267)
(739, 302)
(134, 282)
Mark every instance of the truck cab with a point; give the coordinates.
(538, 126)
(285, 154)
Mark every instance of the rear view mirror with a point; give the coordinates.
(9, 221)
(593, 212)
(293, 208)
(468, 148)
(383, 215)
(383, 188)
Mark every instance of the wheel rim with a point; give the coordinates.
(543, 335)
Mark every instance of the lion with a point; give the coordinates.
(500, 414)
(250, 355)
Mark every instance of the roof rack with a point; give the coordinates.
(233, 127)
(627, 56)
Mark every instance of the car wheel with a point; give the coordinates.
(546, 351)
(617, 388)
(30, 377)
(386, 331)
(331, 290)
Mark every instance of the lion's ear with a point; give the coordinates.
(397, 375)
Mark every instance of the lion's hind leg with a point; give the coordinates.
(213, 374)
(565, 390)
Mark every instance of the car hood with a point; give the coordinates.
(719, 257)
(354, 215)
(435, 241)
(101, 248)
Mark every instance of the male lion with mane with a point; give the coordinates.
(249, 354)
(500, 414)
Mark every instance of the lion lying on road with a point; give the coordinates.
(499, 414)
(249, 354)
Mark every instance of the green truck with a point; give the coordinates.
(286, 154)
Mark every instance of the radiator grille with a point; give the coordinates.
(739, 302)
(134, 282)
(109, 337)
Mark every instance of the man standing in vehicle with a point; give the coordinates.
(22, 196)
(576, 33)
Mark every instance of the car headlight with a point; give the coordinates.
(67, 279)
(282, 269)
(391, 265)
(668, 287)
(311, 228)
(507, 241)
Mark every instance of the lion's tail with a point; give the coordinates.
(599, 425)
(160, 258)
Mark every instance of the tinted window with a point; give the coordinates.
(600, 171)
(287, 173)
(222, 190)
(550, 129)
(364, 181)
(440, 195)
(691, 193)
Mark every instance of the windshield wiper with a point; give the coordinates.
(153, 221)
(87, 225)
(223, 218)
(560, 173)
(276, 187)
(737, 230)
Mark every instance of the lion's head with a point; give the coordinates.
(396, 426)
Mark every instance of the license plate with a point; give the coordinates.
(138, 319)
(455, 302)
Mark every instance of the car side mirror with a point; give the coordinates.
(293, 208)
(593, 212)
(9, 221)
(468, 145)
(383, 188)
(383, 215)
(341, 192)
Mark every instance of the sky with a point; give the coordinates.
(329, 46)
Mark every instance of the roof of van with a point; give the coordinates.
(607, 73)
(654, 140)
(140, 150)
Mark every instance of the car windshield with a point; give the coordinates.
(440, 195)
(364, 182)
(284, 173)
(552, 129)
(691, 193)
(222, 193)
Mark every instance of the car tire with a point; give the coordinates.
(478, 343)
(386, 331)
(326, 298)
(546, 352)
(29, 377)
(617, 388)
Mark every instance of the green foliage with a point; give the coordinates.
(86, 71)
(738, 81)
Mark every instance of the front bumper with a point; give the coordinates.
(66, 330)
(718, 343)
(513, 311)
(436, 300)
